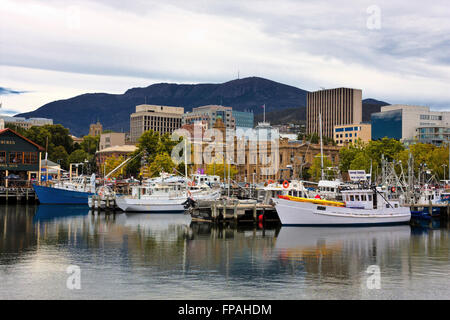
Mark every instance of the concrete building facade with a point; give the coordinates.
(350, 133)
(338, 106)
(210, 114)
(111, 139)
(162, 119)
(409, 123)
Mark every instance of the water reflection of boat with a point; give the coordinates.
(46, 212)
(298, 240)
(155, 222)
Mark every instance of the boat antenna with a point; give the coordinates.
(321, 147)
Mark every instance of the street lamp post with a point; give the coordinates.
(444, 165)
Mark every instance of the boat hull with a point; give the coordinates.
(156, 206)
(49, 195)
(308, 214)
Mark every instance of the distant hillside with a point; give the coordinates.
(298, 115)
(289, 115)
(113, 110)
(370, 106)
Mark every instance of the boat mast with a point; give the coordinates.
(321, 147)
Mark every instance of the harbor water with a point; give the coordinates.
(139, 256)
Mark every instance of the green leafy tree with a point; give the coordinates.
(315, 170)
(162, 162)
(78, 156)
(56, 135)
(219, 170)
(59, 155)
(90, 144)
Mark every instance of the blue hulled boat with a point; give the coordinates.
(73, 192)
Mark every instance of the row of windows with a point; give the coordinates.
(347, 129)
(346, 135)
(430, 117)
(357, 197)
(18, 157)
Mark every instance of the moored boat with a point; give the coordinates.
(362, 207)
(76, 191)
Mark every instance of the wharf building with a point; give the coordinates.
(162, 119)
(19, 158)
(340, 106)
(411, 124)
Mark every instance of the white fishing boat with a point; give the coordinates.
(294, 188)
(361, 207)
(169, 194)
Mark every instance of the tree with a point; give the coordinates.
(315, 169)
(162, 162)
(17, 129)
(220, 170)
(361, 162)
(390, 148)
(90, 144)
(56, 135)
(59, 155)
(151, 144)
(79, 156)
(110, 164)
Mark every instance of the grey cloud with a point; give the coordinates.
(5, 91)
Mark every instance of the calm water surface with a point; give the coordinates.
(136, 256)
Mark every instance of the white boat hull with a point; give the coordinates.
(305, 213)
(151, 205)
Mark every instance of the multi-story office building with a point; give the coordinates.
(434, 135)
(410, 123)
(210, 113)
(162, 119)
(350, 133)
(243, 119)
(337, 107)
(23, 122)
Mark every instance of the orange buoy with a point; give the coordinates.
(285, 184)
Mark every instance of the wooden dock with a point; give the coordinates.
(106, 203)
(18, 195)
(445, 208)
(234, 211)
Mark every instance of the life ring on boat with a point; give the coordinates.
(393, 189)
(246, 185)
(270, 181)
(285, 184)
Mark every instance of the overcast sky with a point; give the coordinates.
(396, 51)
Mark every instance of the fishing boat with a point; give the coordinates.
(74, 191)
(360, 207)
(165, 195)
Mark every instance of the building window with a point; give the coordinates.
(2, 157)
(15, 157)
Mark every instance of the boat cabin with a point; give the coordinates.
(329, 189)
(365, 199)
(205, 179)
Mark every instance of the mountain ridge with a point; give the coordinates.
(113, 110)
